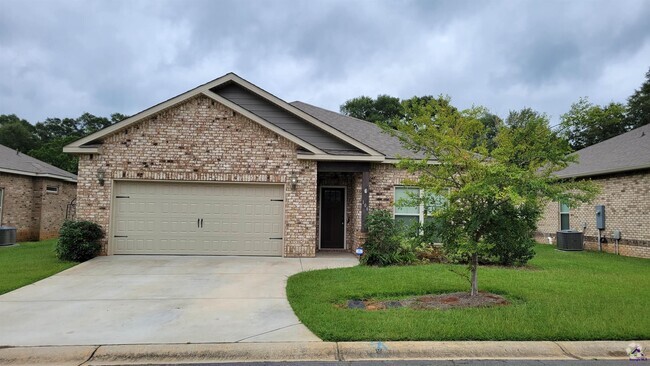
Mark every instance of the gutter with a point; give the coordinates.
(39, 175)
(604, 171)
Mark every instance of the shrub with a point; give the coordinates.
(382, 247)
(79, 241)
(509, 242)
(430, 253)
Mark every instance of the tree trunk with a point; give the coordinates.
(474, 291)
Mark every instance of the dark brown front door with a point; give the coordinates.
(332, 219)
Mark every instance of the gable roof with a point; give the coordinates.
(325, 142)
(365, 131)
(14, 162)
(625, 152)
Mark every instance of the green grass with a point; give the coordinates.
(565, 296)
(27, 263)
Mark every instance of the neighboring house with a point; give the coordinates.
(621, 167)
(229, 169)
(34, 196)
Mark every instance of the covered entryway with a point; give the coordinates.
(197, 218)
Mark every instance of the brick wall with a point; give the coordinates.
(627, 208)
(383, 179)
(202, 140)
(54, 206)
(36, 214)
(18, 204)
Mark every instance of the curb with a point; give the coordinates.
(312, 351)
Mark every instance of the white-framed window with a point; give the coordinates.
(564, 216)
(52, 189)
(410, 212)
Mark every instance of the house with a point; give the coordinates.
(229, 169)
(621, 167)
(34, 196)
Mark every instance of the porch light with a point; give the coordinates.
(101, 173)
(293, 180)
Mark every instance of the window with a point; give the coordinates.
(407, 214)
(52, 189)
(408, 211)
(564, 216)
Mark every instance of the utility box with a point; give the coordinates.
(616, 234)
(600, 217)
(569, 240)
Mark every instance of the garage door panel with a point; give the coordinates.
(161, 218)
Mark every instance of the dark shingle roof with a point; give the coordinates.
(286, 121)
(629, 151)
(19, 163)
(365, 132)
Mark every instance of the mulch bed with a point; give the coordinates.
(439, 302)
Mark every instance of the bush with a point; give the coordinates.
(509, 242)
(383, 245)
(512, 240)
(79, 241)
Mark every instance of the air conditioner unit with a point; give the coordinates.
(570, 240)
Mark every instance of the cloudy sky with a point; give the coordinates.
(63, 58)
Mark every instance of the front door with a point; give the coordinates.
(332, 218)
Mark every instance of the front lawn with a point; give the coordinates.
(564, 296)
(27, 263)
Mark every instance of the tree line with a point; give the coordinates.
(585, 124)
(45, 140)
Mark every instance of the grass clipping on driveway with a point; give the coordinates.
(27, 263)
(567, 296)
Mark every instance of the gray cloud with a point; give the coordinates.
(61, 58)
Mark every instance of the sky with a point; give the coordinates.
(64, 58)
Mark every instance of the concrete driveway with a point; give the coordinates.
(160, 299)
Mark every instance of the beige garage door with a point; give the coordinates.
(197, 219)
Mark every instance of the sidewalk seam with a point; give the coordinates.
(91, 356)
(567, 353)
(338, 352)
(267, 332)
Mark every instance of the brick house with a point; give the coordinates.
(34, 195)
(621, 167)
(230, 169)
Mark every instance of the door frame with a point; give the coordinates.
(345, 217)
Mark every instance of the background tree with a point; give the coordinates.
(638, 105)
(45, 140)
(17, 133)
(587, 124)
(381, 110)
(492, 196)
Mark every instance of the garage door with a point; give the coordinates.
(197, 219)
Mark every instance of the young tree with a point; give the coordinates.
(492, 195)
(587, 124)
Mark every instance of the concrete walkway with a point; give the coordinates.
(313, 351)
(160, 299)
